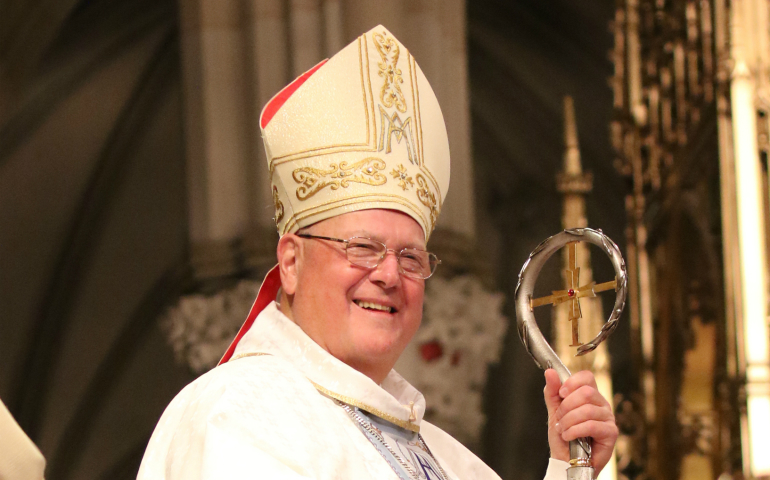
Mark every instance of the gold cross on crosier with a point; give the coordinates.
(573, 293)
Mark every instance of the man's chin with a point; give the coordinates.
(379, 349)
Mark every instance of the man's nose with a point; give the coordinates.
(388, 272)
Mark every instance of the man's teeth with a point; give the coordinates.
(373, 306)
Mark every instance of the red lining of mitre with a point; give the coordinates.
(267, 293)
(281, 97)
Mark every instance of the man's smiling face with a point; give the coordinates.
(364, 317)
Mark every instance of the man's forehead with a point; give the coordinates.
(377, 224)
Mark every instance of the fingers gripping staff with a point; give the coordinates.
(536, 344)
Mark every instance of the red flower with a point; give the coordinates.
(456, 358)
(431, 351)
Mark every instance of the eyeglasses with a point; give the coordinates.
(368, 253)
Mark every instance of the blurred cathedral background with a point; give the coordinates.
(136, 218)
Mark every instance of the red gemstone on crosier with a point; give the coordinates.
(571, 292)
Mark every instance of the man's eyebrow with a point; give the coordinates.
(364, 233)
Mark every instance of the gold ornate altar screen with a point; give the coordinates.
(691, 99)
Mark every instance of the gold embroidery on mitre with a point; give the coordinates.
(312, 180)
(404, 180)
(319, 209)
(278, 206)
(389, 51)
(402, 129)
(416, 104)
(428, 199)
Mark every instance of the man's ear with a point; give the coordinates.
(288, 257)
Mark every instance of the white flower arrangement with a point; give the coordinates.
(201, 327)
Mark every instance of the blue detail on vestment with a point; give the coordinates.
(406, 445)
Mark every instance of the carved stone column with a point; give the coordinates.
(749, 83)
(216, 116)
(271, 71)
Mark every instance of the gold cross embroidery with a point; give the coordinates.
(573, 293)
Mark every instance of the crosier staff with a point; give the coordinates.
(534, 342)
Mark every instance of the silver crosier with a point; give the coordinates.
(537, 346)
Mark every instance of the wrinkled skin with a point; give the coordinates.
(322, 290)
(577, 409)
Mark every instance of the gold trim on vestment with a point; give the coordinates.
(278, 204)
(321, 151)
(402, 176)
(350, 401)
(428, 199)
(390, 93)
(249, 354)
(418, 124)
(374, 197)
(363, 86)
(355, 403)
(313, 180)
(371, 93)
(416, 108)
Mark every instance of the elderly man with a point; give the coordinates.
(359, 162)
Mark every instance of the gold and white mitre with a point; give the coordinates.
(361, 130)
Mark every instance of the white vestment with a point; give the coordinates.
(271, 413)
(19, 457)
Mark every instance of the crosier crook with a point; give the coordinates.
(534, 342)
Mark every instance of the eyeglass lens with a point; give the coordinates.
(369, 253)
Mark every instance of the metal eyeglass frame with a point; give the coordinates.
(382, 257)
